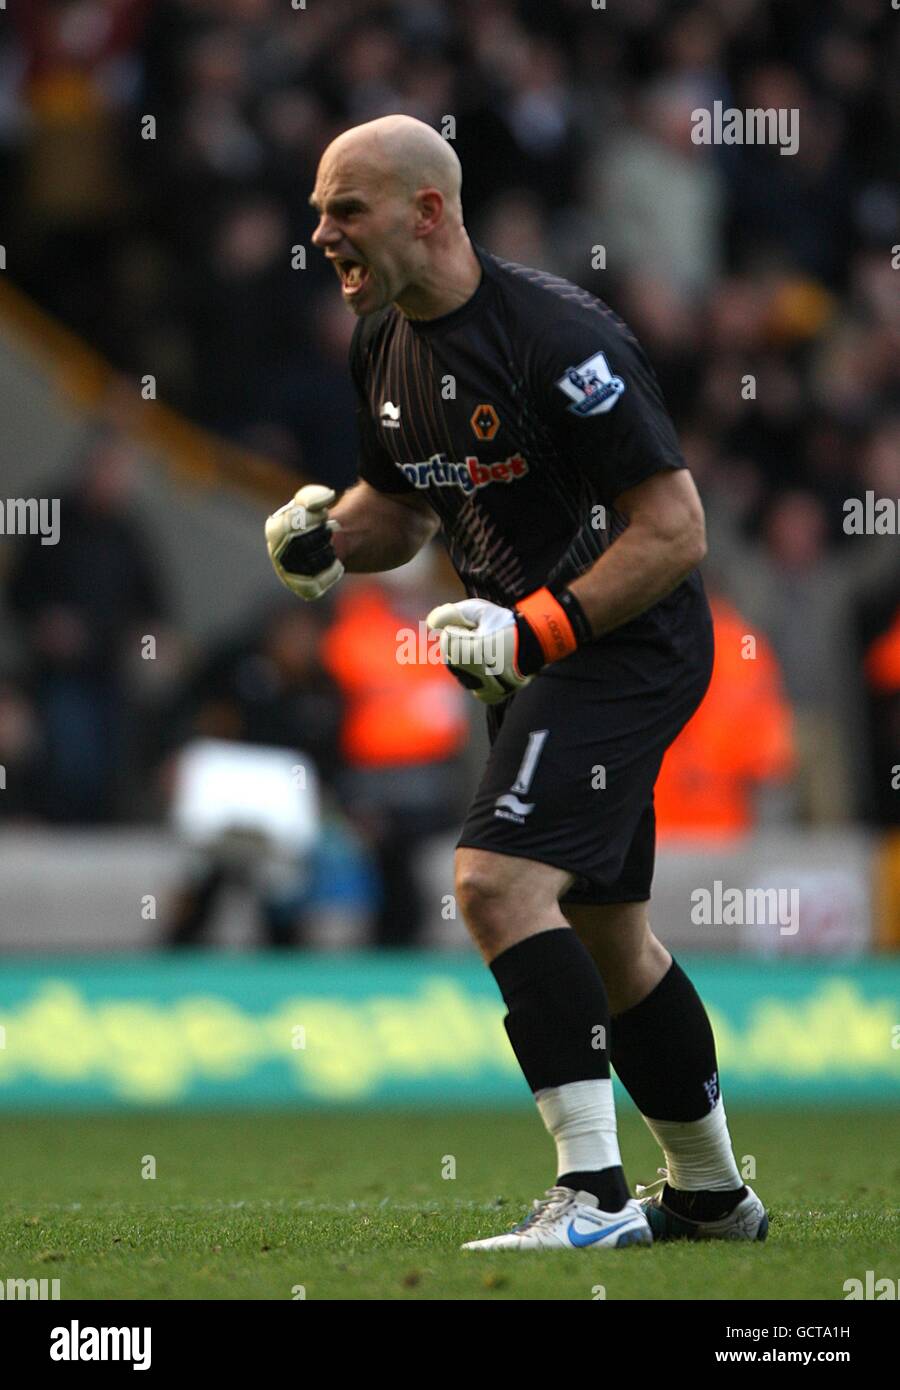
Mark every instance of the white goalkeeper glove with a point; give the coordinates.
(479, 644)
(298, 537)
(495, 651)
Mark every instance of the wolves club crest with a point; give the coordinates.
(485, 421)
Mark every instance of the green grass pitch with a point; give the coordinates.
(354, 1206)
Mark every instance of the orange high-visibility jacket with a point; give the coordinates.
(740, 736)
(883, 659)
(399, 711)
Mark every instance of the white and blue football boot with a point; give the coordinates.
(567, 1220)
(748, 1220)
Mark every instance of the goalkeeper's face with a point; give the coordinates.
(367, 229)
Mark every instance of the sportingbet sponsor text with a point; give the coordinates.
(468, 475)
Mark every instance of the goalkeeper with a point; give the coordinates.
(517, 414)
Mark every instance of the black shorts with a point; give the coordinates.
(574, 758)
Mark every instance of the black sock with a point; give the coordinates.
(664, 1053)
(557, 1002)
(608, 1186)
(702, 1206)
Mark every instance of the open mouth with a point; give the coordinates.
(353, 275)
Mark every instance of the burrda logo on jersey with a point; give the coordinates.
(468, 475)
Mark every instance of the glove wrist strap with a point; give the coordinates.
(573, 610)
(529, 652)
(550, 624)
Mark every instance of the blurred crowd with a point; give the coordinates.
(156, 157)
(102, 694)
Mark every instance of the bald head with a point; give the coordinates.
(406, 152)
(388, 196)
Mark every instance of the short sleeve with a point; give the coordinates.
(604, 401)
(375, 465)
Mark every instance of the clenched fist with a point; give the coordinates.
(298, 537)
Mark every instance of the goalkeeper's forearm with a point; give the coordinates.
(380, 532)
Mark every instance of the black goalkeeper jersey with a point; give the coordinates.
(521, 416)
